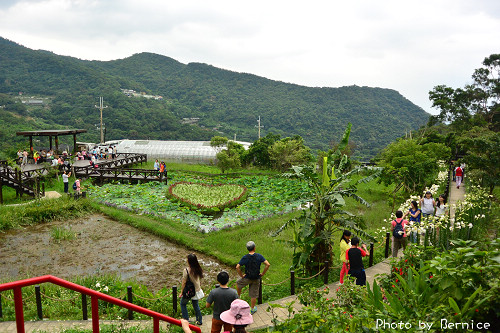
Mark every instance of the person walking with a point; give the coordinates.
(459, 172)
(194, 274)
(252, 276)
(355, 258)
(65, 177)
(345, 244)
(398, 233)
(221, 297)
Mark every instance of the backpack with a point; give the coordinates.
(189, 290)
(398, 231)
(252, 268)
(74, 186)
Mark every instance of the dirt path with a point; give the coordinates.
(99, 246)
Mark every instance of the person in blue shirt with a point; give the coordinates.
(251, 278)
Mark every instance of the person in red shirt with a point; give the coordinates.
(355, 258)
(458, 175)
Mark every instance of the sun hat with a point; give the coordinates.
(238, 314)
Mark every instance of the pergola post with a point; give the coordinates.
(31, 145)
(50, 142)
(74, 144)
(57, 145)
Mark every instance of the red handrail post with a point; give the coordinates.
(94, 301)
(18, 306)
(156, 325)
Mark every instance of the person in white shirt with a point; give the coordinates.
(65, 178)
(427, 204)
(441, 207)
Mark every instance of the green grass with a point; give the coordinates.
(59, 234)
(40, 211)
(377, 195)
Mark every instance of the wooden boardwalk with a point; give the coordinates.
(117, 170)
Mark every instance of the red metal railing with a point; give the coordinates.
(17, 286)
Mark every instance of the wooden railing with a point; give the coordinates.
(121, 160)
(22, 182)
(95, 296)
(130, 175)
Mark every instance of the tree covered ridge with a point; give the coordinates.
(225, 100)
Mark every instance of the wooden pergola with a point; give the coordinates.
(50, 134)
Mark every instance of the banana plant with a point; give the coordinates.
(325, 210)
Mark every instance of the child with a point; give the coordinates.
(427, 204)
(345, 244)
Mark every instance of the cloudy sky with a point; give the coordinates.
(409, 46)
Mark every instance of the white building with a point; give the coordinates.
(172, 151)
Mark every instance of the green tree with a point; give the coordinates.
(482, 155)
(411, 166)
(287, 152)
(258, 153)
(231, 157)
(476, 102)
(218, 143)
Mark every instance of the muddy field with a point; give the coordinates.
(98, 246)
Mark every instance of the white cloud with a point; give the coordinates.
(406, 46)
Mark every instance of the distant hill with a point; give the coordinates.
(224, 101)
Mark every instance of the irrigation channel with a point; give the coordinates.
(98, 246)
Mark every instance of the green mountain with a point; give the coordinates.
(224, 101)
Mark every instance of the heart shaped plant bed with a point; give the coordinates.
(208, 199)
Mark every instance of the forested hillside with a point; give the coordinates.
(226, 101)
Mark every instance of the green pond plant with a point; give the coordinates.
(207, 198)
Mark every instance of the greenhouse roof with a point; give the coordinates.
(172, 151)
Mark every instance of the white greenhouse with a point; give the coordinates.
(172, 151)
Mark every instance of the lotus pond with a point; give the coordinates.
(267, 196)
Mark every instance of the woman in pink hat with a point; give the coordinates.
(238, 315)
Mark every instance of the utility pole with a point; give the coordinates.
(258, 126)
(101, 102)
